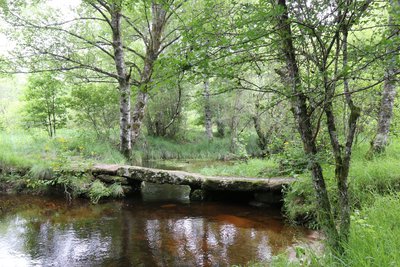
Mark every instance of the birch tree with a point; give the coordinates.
(109, 41)
(380, 141)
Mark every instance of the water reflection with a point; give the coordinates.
(47, 232)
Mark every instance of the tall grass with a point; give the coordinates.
(375, 234)
(250, 168)
(366, 179)
(27, 148)
(17, 150)
(35, 150)
(159, 148)
(379, 175)
(374, 239)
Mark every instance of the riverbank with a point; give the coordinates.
(105, 180)
(374, 187)
(43, 161)
(34, 165)
(31, 162)
(373, 241)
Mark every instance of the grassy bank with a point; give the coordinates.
(155, 148)
(248, 168)
(27, 148)
(32, 162)
(374, 239)
(367, 178)
(35, 149)
(374, 234)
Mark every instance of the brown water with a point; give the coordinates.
(149, 231)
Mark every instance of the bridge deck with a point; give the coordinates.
(191, 179)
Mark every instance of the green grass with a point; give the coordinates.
(366, 179)
(251, 168)
(374, 238)
(47, 161)
(35, 150)
(159, 148)
(379, 175)
(375, 234)
(28, 148)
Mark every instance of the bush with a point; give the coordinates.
(292, 159)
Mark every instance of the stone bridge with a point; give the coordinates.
(268, 189)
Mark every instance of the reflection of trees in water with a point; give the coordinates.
(199, 242)
(131, 240)
(53, 235)
(112, 235)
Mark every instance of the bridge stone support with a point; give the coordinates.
(271, 197)
(202, 187)
(135, 185)
(197, 194)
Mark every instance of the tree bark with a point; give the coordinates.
(207, 110)
(123, 82)
(219, 120)
(262, 136)
(343, 165)
(220, 127)
(303, 119)
(153, 46)
(389, 90)
(138, 114)
(125, 120)
(235, 122)
(342, 153)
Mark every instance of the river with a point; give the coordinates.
(159, 228)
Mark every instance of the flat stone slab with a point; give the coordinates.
(192, 179)
(110, 169)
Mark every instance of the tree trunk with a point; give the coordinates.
(385, 113)
(159, 124)
(262, 136)
(53, 113)
(300, 111)
(153, 46)
(220, 121)
(49, 127)
(235, 122)
(125, 120)
(389, 89)
(343, 166)
(220, 127)
(138, 114)
(207, 110)
(123, 81)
